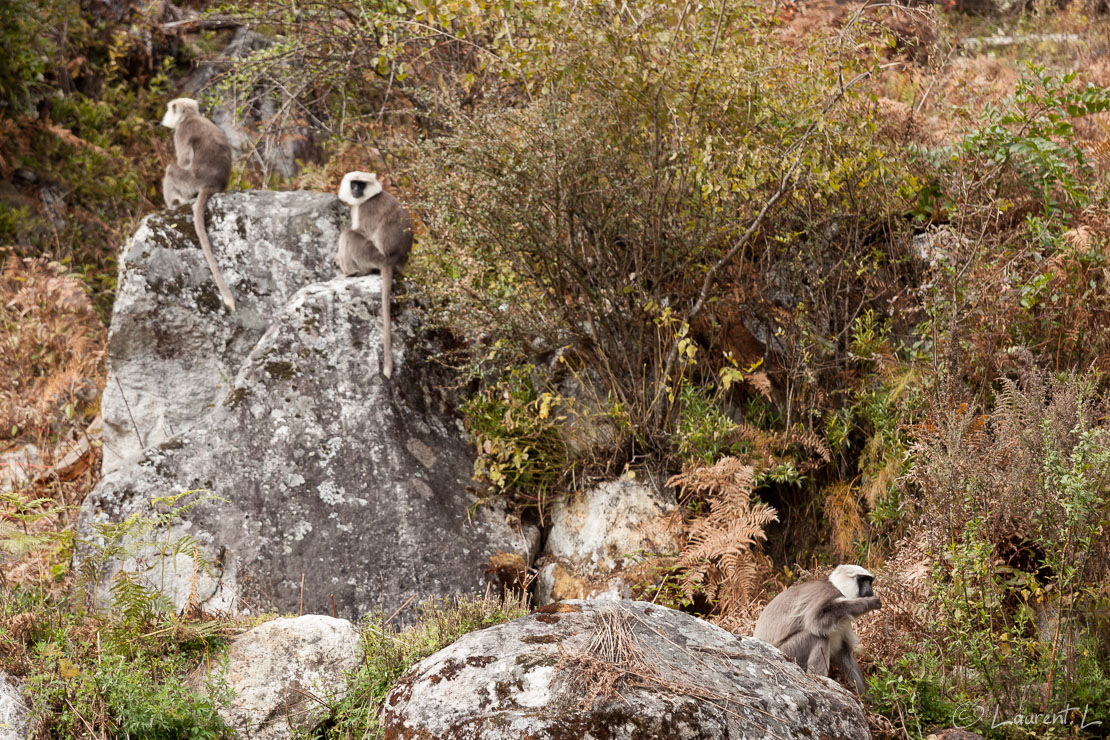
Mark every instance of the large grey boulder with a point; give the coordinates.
(283, 674)
(615, 669)
(601, 542)
(337, 488)
(173, 349)
(15, 717)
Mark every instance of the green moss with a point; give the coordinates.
(236, 397)
(281, 369)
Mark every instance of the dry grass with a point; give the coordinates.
(52, 350)
(613, 658)
(903, 583)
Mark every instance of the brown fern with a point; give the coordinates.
(722, 556)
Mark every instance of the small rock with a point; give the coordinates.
(20, 466)
(598, 541)
(953, 734)
(282, 672)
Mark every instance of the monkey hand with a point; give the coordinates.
(873, 603)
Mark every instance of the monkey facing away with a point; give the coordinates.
(380, 238)
(811, 623)
(202, 168)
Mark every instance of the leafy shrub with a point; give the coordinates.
(515, 429)
(1024, 264)
(655, 157)
(704, 431)
(26, 42)
(90, 678)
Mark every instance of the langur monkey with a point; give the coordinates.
(202, 168)
(380, 238)
(811, 623)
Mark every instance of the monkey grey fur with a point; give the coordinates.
(380, 238)
(202, 168)
(811, 623)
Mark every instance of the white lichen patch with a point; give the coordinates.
(299, 530)
(330, 493)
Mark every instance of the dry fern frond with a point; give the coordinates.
(761, 383)
(721, 557)
(1081, 238)
(812, 442)
(770, 449)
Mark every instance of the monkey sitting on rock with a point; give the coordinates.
(811, 623)
(380, 238)
(202, 168)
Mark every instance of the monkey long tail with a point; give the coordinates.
(387, 348)
(202, 234)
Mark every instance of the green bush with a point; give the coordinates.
(514, 427)
(105, 677)
(653, 156)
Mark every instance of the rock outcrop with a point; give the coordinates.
(615, 669)
(314, 483)
(282, 672)
(173, 349)
(600, 542)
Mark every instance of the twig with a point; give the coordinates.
(209, 23)
(402, 606)
(129, 415)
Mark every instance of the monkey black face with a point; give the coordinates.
(359, 187)
(852, 581)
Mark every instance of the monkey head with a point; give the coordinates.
(359, 187)
(177, 109)
(852, 581)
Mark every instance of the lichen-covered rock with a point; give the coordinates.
(615, 669)
(334, 484)
(279, 672)
(600, 541)
(15, 717)
(173, 349)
